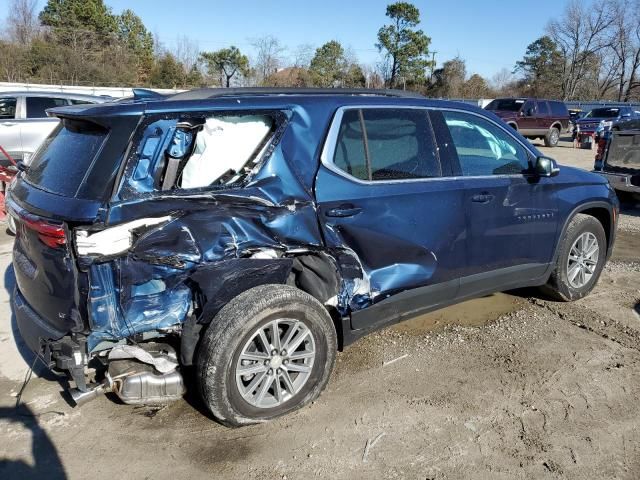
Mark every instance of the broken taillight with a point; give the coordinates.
(51, 234)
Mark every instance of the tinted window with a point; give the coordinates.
(62, 161)
(506, 104)
(558, 109)
(603, 113)
(36, 106)
(543, 109)
(7, 108)
(80, 102)
(529, 108)
(386, 144)
(483, 148)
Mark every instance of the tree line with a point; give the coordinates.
(591, 50)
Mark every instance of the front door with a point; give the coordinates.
(528, 123)
(384, 195)
(511, 213)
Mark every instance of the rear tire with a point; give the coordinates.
(581, 257)
(242, 338)
(552, 138)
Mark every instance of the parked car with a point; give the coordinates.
(575, 114)
(533, 118)
(251, 233)
(618, 157)
(599, 120)
(23, 120)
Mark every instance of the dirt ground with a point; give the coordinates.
(506, 386)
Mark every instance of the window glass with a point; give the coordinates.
(483, 148)
(64, 158)
(558, 109)
(529, 108)
(36, 106)
(386, 144)
(7, 108)
(80, 102)
(543, 109)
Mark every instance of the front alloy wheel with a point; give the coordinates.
(583, 259)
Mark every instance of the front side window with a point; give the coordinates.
(386, 144)
(37, 106)
(8, 108)
(483, 148)
(196, 151)
(543, 109)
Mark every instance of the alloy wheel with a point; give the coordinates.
(275, 363)
(583, 260)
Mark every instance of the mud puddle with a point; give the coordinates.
(472, 313)
(627, 246)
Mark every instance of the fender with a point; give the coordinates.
(581, 208)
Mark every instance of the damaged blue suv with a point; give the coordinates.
(248, 234)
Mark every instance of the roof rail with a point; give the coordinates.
(205, 93)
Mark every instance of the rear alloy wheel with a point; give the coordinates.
(269, 351)
(552, 138)
(581, 257)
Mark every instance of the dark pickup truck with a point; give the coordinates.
(618, 157)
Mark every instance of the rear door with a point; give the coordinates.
(383, 193)
(36, 126)
(511, 214)
(9, 127)
(544, 119)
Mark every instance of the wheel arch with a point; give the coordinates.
(601, 211)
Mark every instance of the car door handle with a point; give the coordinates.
(484, 197)
(343, 211)
(9, 124)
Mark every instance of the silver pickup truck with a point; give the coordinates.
(24, 123)
(618, 157)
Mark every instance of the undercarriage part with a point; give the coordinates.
(80, 397)
(136, 382)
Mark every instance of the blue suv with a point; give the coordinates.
(249, 234)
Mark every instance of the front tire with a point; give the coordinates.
(268, 352)
(580, 259)
(552, 138)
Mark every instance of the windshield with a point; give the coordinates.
(508, 104)
(603, 113)
(61, 163)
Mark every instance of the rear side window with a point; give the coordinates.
(559, 109)
(36, 106)
(543, 109)
(483, 148)
(8, 108)
(63, 160)
(386, 144)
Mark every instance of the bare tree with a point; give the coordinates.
(22, 21)
(580, 33)
(186, 51)
(269, 52)
(634, 50)
(302, 55)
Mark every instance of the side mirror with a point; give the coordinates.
(546, 167)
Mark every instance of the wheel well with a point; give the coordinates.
(603, 216)
(316, 274)
(514, 126)
(556, 125)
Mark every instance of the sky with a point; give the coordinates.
(490, 35)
